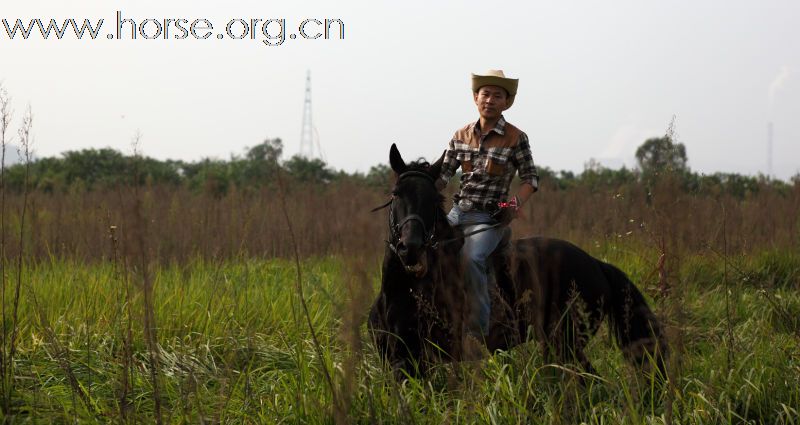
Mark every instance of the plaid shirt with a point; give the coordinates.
(489, 162)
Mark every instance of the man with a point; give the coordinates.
(489, 152)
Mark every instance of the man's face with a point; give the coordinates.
(491, 101)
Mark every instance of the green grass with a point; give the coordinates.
(234, 347)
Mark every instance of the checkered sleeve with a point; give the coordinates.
(450, 163)
(524, 161)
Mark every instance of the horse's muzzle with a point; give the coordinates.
(414, 258)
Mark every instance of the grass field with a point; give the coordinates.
(232, 345)
(143, 304)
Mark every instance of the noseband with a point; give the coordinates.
(395, 228)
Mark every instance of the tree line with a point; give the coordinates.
(260, 165)
(92, 169)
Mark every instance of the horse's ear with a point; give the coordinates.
(436, 168)
(396, 161)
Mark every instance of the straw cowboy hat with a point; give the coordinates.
(495, 77)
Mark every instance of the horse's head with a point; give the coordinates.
(414, 210)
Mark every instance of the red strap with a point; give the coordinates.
(513, 203)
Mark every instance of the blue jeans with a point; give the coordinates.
(475, 254)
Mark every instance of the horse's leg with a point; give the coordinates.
(586, 329)
(504, 329)
(580, 356)
(506, 332)
(527, 300)
(567, 347)
(400, 350)
(501, 263)
(403, 368)
(378, 329)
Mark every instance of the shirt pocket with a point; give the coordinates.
(465, 158)
(497, 161)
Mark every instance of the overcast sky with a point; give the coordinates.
(596, 79)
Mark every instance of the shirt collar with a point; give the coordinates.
(499, 128)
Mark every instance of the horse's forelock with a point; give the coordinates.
(419, 165)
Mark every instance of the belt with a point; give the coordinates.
(467, 205)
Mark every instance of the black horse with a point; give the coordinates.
(553, 292)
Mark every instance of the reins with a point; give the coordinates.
(474, 232)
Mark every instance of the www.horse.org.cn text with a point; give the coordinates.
(270, 31)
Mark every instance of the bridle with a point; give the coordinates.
(429, 238)
(395, 228)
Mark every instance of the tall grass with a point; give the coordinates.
(5, 374)
(230, 350)
(336, 218)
